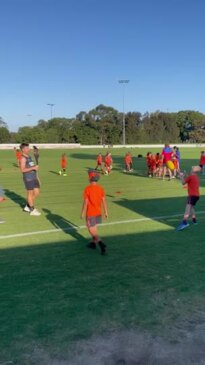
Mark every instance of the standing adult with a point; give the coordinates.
(30, 178)
(167, 156)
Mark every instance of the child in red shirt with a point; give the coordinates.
(202, 162)
(94, 198)
(108, 163)
(128, 161)
(192, 182)
(148, 161)
(99, 161)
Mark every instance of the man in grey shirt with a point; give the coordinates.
(30, 178)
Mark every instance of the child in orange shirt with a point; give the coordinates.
(63, 165)
(94, 199)
(128, 161)
(18, 156)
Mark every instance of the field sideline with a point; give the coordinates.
(56, 294)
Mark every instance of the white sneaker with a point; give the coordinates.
(35, 212)
(26, 209)
(2, 221)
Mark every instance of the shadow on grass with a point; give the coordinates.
(18, 199)
(54, 294)
(54, 172)
(65, 225)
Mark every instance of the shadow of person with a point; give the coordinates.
(18, 199)
(63, 224)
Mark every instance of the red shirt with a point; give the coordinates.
(202, 160)
(192, 182)
(99, 159)
(94, 194)
(108, 160)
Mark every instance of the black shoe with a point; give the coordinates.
(91, 245)
(102, 247)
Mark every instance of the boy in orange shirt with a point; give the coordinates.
(63, 165)
(192, 182)
(94, 199)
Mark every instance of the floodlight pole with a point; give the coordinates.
(123, 82)
(51, 108)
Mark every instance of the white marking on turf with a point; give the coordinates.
(75, 228)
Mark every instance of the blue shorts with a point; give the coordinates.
(93, 221)
(31, 184)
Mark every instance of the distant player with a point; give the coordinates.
(63, 165)
(99, 161)
(128, 161)
(192, 182)
(148, 162)
(18, 156)
(167, 153)
(202, 162)
(108, 163)
(36, 154)
(94, 200)
(30, 178)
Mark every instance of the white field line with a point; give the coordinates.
(75, 228)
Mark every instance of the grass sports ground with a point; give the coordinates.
(61, 303)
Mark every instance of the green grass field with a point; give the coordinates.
(56, 293)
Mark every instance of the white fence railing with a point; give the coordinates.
(10, 146)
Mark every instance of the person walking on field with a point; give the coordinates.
(94, 198)
(30, 178)
(192, 182)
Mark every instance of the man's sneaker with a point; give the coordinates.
(64, 174)
(182, 226)
(1, 221)
(35, 212)
(91, 245)
(102, 247)
(27, 209)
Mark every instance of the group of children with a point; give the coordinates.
(104, 164)
(165, 163)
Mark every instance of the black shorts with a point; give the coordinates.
(31, 184)
(192, 200)
(93, 221)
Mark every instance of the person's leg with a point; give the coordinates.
(187, 212)
(30, 199)
(36, 192)
(94, 234)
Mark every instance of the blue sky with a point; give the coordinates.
(73, 52)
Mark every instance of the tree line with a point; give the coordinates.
(103, 125)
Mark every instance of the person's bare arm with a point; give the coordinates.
(84, 208)
(104, 203)
(23, 167)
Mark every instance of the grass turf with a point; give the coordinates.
(55, 292)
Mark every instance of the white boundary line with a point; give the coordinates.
(75, 228)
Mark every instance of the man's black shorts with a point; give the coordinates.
(192, 200)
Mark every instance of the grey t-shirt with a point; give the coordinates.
(31, 174)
